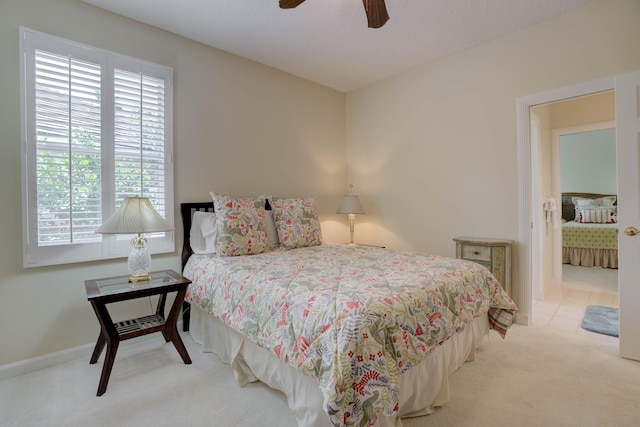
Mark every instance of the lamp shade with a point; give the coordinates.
(350, 205)
(136, 215)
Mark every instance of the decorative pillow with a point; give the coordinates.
(297, 222)
(240, 224)
(585, 202)
(203, 235)
(597, 215)
(601, 201)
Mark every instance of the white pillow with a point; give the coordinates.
(203, 233)
(270, 226)
(601, 201)
(581, 202)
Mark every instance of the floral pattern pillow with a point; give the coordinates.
(297, 222)
(241, 225)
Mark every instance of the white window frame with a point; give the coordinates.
(109, 246)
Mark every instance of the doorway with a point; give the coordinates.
(573, 154)
(587, 167)
(627, 101)
(530, 251)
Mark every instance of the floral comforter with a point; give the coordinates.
(353, 317)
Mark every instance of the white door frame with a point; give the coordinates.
(523, 295)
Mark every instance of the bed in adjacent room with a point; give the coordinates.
(352, 335)
(589, 230)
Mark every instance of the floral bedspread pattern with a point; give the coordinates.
(353, 317)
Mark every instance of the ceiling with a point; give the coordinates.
(328, 41)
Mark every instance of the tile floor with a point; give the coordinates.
(563, 308)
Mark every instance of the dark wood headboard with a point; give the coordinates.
(568, 208)
(186, 212)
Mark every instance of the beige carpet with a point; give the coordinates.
(592, 279)
(536, 377)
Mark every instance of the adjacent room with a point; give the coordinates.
(577, 164)
(398, 126)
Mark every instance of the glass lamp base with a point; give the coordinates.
(136, 279)
(139, 264)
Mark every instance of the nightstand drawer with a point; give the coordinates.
(480, 253)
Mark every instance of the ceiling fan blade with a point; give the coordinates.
(376, 10)
(290, 4)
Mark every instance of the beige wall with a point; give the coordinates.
(585, 110)
(433, 151)
(239, 128)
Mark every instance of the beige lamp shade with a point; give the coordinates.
(350, 205)
(136, 215)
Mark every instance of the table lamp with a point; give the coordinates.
(136, 216)
(351, 206)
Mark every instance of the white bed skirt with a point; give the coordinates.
(422, 388)
(589, 257)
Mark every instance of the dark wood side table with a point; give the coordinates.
(101, 292)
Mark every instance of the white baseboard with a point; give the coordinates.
(48, 360)
(523, 319)
(45, 361)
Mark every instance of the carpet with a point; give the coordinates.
(577, 381)
(601, 320)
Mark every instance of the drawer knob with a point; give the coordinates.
(476, 253)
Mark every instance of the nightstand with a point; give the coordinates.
(101, 292)
(495, 254)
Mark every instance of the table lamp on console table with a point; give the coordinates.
(136, 216)
(351, 206)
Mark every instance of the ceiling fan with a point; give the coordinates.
(376, 10)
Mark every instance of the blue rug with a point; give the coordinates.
(601, 320)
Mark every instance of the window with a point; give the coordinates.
(97, 127)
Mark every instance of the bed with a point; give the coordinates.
(590, 244)
(352, 335)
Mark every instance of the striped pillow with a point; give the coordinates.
(597, 215)
(582, 202)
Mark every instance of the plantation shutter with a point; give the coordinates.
(139, 137)
(68, 146)
(97, 127)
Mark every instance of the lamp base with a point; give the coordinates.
(139, 261)
(136, 279)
